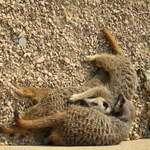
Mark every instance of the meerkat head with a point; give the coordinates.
(97, 103)
(120, 107)
(123, 109)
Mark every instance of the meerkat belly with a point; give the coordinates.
(124, 80)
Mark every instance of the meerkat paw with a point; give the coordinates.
(89, 58)
(26, 91)
(74, 97)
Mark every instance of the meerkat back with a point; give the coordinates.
(123, 78)
(84, 127)
(56, 100)
(87, 126)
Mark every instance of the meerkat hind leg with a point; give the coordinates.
(34, 93)
(48, 121)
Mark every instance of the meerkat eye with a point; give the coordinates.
(94, 104)
(92, 96)
(105, 105)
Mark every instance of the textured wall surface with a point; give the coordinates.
(43, 42)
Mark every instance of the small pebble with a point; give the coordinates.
(40, 60)
(22, 42)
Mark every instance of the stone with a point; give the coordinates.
(40, 60)
(66, 60)
(22, 42)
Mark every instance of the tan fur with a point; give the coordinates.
(57, 100)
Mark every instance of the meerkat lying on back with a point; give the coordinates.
(52, 106)
(123, 78)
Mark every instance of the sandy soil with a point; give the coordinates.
(43, 42)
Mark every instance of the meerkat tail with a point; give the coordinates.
(48, 121)
(113, 41)
(13, 130)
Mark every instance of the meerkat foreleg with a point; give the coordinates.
(106, 61)
(99, 91)
(89, 93)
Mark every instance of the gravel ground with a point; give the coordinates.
(43, 42)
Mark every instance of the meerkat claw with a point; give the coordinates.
(16, 115)
(88, 58)
(74, 97)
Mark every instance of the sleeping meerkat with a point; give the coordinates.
(83, 126)
(78, 125)
(50, 101)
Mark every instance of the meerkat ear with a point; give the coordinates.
(120, 100)
(119, 103)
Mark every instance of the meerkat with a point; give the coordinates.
(79, 125)
(123, 78)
